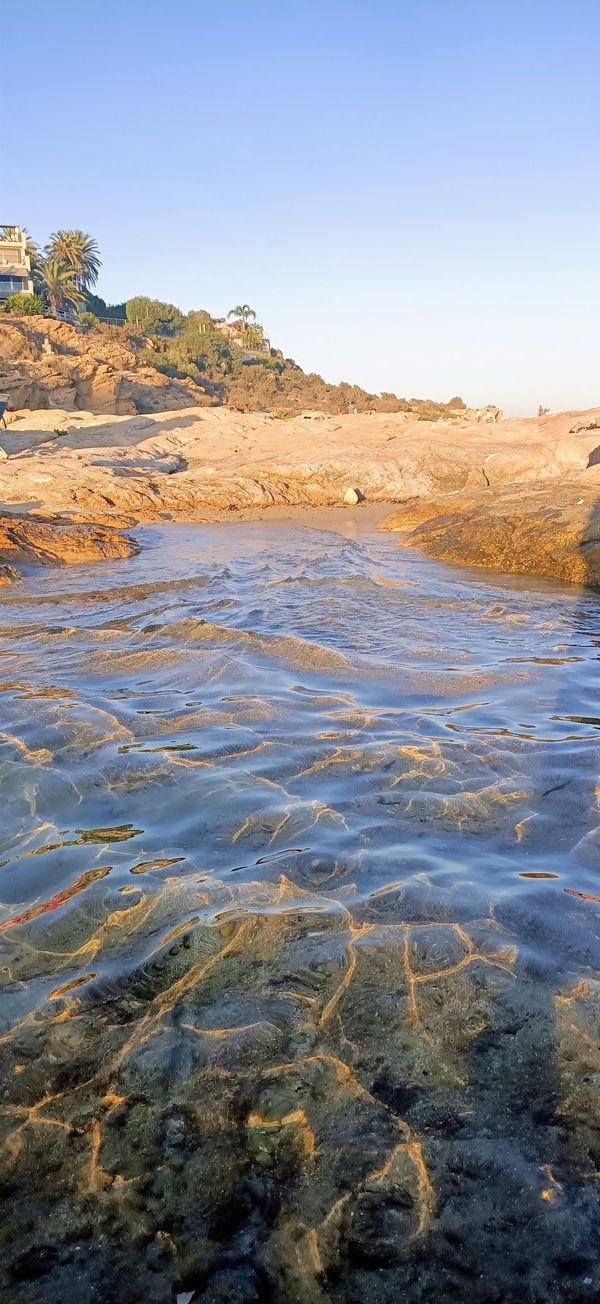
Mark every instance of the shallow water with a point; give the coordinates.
(299, 927)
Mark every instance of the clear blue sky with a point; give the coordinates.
(407, 191)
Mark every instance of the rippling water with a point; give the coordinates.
(299, 926)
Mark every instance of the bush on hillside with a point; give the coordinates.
(25, 305)
(205, 346)
(152, 358)
(154, 317)
(254, 390)
(114, 312)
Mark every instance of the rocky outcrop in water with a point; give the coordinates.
(34, 539)
(550, 529)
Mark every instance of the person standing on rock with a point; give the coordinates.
(4, 405)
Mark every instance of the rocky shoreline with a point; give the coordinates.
(550, 529)
(516, 495)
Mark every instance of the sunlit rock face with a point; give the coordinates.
(51, 364)
(299, 928)
(33, 540)
(527, 487)
(551, 529)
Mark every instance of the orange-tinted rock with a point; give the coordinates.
(550, 528)
(35, 539)
(53, 364)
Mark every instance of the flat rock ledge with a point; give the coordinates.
(31, 539)
(517, 496)
(549, 528)
(187, 464)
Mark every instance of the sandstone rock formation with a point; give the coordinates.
(35, 539)
(52, 364)
(188, 465)
(190, 461)
(550, 528)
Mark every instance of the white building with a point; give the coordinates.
(15, 266)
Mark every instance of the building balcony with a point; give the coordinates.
(12, 255)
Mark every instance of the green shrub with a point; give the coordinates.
(152, 316)
(88, 319)
(26, 305)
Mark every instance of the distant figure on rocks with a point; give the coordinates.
(4, 407)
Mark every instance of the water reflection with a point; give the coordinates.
(299, 939)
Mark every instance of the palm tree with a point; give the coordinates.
(32, 249)
(79, 252)
(59, 285)
(243, 312)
